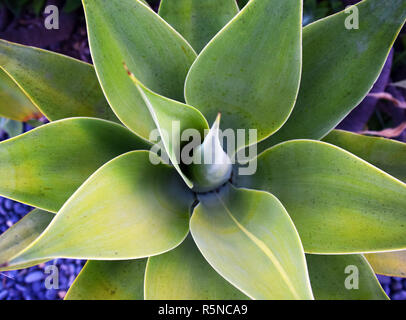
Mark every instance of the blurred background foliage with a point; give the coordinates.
(36, 6)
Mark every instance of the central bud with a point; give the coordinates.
(211, 166)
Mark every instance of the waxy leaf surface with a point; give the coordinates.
(109, 280)
(128, 209)
(343, 277)
(45, 166)
(338, 202)
(59, 86)
(14, 104)
(390, 156)
(340, 66)
(127, 31)
(183, 274)
(248, 238)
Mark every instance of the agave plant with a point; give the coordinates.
(308, 223)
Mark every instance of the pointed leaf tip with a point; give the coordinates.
(211, 166)
(125, 210)
(172, 119)
(151, 48)
(355, 207)
(336, 78)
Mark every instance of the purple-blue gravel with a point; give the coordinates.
(28, 284)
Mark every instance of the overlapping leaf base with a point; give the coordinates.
(288, 231)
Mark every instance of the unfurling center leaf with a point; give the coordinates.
(211, 166)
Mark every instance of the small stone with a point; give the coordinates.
(64, 268)
(399, 295)
(21, 288)
(36, 286)
(20, 209)
(27, 296)
(71, 279)
(396, 286)
(40, 295)
(63, 281)
(71, 269)
(14, 294)
(27, 127)
(34, 276)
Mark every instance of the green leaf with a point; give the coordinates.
(21, 235)
(338, 202)
(109, 280)
(248, 238)
(45, 166)
(171, 118)
(388, 263)
(13, 102)
(343, 277)
(59, 86)
(250, 71)
(388, 155)
(183, 274)
(128, 31)
(11, 127)
(198, 21)
(128, 209)
(72, 5)
(340, 66)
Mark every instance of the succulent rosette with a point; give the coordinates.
(319, 200)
